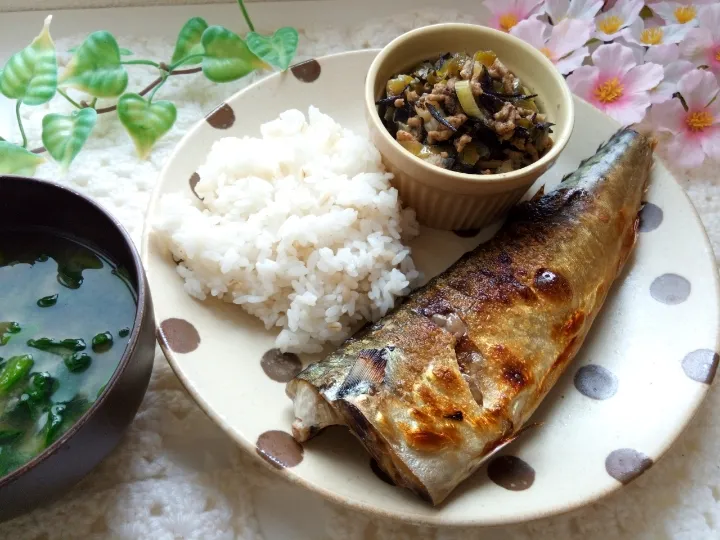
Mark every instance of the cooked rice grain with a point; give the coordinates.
(300, 227)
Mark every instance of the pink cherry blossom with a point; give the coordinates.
(649, 35)
(667, 56)
(563, 43)
(702, 44)
(584, 10)
(504, 14)
(684, 12)
(696, 131)
(616, 84)
(609, 24)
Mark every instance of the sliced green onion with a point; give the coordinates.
(467, 100)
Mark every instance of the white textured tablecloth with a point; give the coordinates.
(177, 476)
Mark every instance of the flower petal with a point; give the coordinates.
(669, 116)
(633, 32)
(710, 142)
(557, 9)
(662, 54)
(572, 61)
(533, 31)
(675, 33)
(698, 88)
(630, 109)
(642, 78)
(613, 60)
(525, 8)
(710, 19)
(666, 11)
(685, 152)
(583, 82)
(583, 10)
(568, 36)
(627, 10)
(696, 43)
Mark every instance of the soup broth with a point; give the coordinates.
(66, 313)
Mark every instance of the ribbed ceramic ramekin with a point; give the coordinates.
(451, 200)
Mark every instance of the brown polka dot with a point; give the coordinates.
(651, 217)
(626, 464)
(701, 365)
(382, 475)
(279, 449)
(178, 335)
(670, 289)
(467, 233)
(307, 71)
(280, 366)
(511, 473)
(194, 179)
(221, 118)
(596, 382)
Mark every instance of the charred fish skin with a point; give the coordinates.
(457, 370)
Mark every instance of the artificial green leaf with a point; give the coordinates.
(145, 122)
(15, 159)
(95, 67)
(227, 57)
(64, 136)
(277, 50)
(30, 75)
(188, 40)
(123, 51)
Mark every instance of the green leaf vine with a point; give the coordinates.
(99, 69)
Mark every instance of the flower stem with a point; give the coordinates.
(246, 15)
(182, 61)
(152, 85)
(20, 124)
(71, 100)
(140, 63)
(159, 85)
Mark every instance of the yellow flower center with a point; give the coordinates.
(547, 52)
(610, 24)
(717, 55)
(507, 21)
(685, 14)
(609, 91)
(652, 36)
(699, 120)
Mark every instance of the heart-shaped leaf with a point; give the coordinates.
(188, 40)
(145, 122)
(64, 136)
(15, 159)
(227, 57)
(277, 50)
(95, 67)
(123, 51)
(31, 74)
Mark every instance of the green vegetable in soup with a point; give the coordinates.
(102, 342)
(77, 362)
(48, 301)
(58, 346)
(14, 371)
(48, 380)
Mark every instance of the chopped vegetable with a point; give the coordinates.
(102, 342)
(467, 113)
(14, 371)
(77, 362)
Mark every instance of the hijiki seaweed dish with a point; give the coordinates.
(464, 113)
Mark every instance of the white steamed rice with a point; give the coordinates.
(300, 227)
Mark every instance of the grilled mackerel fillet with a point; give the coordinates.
(453, 373)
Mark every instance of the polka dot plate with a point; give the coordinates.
(643, 371)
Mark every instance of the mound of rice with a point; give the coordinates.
(300, 227)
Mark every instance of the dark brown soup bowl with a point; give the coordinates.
(31, 203)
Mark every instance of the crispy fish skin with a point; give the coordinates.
(456, 371)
